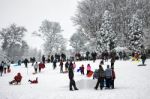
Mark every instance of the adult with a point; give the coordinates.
(26, 62)
(71, 77)
(94, 54)
(36, 66)
(43, 59)
(113, 78)
(87, 55)
(143, 57)
(61, 66)
(101, 77)
(1, 68)
(66, 66)
(108, 76)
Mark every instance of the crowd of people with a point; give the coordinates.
(105, 78)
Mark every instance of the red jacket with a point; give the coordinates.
(41, 65)
(18, 77)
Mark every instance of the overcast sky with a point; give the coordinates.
(30, 14)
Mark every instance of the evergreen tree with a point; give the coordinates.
(106, 37)
(135, 34)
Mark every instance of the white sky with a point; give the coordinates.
(31, 13)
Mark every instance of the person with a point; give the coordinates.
(82, 69)
(120, 55)
(17, 79)
(33, 81)
(102, 62)
(106, 55)
(71, 77)
(54, 63)
(1, 68)
(26, 62)
(35, 66)
(87, 55)
(88, 68)
(8, 67)
(5, 67)
(66, 66)
(113, 78)
(61, 66)
(108, 76)
(143, 57)
(41, 65)
(112, 62)
(43, 59)
(94, 54)
(19, 62)
(74, 65)
(101, 76)
(52, 58)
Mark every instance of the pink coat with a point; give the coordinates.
(88, 67)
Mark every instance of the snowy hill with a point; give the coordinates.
(132, 82)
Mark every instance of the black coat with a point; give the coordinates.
(1, 68)
(143, 57)
(71, 73)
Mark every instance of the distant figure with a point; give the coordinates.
(143, 57)
(71, 77)
(19, 62)
(1, 68)
(36, 66)
(41, 65)
(102, 62)
(113, 78)
(17, 79)
(61, 66)
(94, 54)
(54, 63)
(26, 62)
(87, 55)
(43, 59)
(74, 65)
(33, 81)
(112, 62)
(5, 67)
(52, 58)
(66, 66)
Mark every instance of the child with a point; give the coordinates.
(17, 79)
(82, 69)
(88, 68)
(34, 81)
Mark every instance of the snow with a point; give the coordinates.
(132, 82)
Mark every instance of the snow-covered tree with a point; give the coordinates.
(50, 32)
(135, 34)
(77, 41)
(12, 41)
(106, 37)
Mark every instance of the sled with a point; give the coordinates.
(33, 73)
(65, 72)
(142, 65)
(90, 74)
(9, 70)
(78, 70)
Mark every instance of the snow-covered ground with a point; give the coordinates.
(132, 82)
